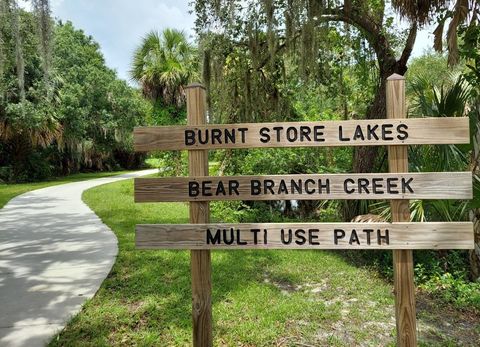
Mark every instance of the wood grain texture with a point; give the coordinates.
(433, 235)
(448, 185)
(200, 260)
(308, 134)
(404, 285)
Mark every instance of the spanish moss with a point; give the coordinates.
(20, 62)
(3, 20)
(42, 12)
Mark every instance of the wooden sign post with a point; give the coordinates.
(362, 132)
(402, 259)
(398, 186)
(433, 235)
(419, 185)
(200, 260)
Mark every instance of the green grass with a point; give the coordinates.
(260, 298)
(153, 162)
(9, 191)
(159, 163)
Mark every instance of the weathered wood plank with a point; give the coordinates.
(403, 276)
(445, 130)
(200, 260)
(432, 235)
(441, 185)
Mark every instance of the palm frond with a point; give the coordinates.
(163, 65)
(417, 10)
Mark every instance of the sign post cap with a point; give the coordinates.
(395, 76)
(195, 85)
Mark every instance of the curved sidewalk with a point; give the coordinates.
(54, 254)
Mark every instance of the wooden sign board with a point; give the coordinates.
(445, 130)
(432, 235)
(402, 236)
(449, 185)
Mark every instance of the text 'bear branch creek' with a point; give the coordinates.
(232, 187)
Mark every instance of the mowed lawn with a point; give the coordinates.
(260, 298)
(9, 191)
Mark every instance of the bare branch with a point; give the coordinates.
(373, 32)
(407, 50)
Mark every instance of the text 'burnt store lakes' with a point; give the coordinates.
(302, 133)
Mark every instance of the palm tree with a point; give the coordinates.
(453, 100)
(460, 12)
(163, 64)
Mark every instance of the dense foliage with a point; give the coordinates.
(304, 60)
(70, 114)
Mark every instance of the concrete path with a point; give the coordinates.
(54, 254)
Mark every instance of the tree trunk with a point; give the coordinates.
(22, 148)
(288, 210)
(474, 254)
(365, 157)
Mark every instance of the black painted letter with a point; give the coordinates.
(338, 234)
(193, 188)
(189, 137)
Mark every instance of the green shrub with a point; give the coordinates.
(5, 173)
(452, 289)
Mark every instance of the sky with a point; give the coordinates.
(119, 25)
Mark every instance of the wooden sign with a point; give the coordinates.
(305, 134)
(399, 186)
(449, 185)
(306, 236)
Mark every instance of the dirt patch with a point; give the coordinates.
(440, 323)
(284, 286)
